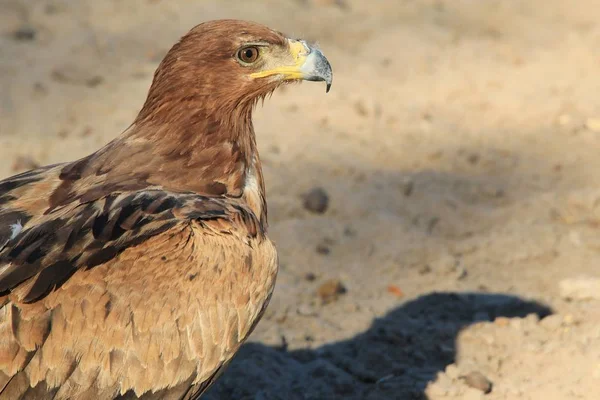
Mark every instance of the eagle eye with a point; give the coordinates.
(248, 55)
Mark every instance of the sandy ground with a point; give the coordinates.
(459, 149)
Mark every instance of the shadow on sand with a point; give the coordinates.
(394, 359)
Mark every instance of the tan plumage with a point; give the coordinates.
(138, 271)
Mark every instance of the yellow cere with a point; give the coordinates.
(299, 52)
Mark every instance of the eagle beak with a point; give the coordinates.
(315, 66)
(308, 63)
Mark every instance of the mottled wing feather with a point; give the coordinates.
(89, 234)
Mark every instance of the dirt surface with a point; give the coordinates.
(459, 249)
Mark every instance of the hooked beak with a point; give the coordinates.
(307, 63)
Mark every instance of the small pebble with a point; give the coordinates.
(25, 34)
(280, 319)
(40, 89)
(306, 310)
(76, 76)
(310, 276)
(433, 222)
(87, 131)
(407, 186)
(349, 231)
(323, 249)
(473, 158)
(94, 81)
(361, 109)
(316, 200)
(328, 241)
(395, 290)
(477, 381)
(461, 273)
(330, 290)
(52, 9)
(425, 269)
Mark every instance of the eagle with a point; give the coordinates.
(138, 271)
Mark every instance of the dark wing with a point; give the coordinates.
(48, 252)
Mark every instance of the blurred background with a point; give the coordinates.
(437, 213)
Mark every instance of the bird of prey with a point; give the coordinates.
(138, 271)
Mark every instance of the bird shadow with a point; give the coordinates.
(394, 359)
